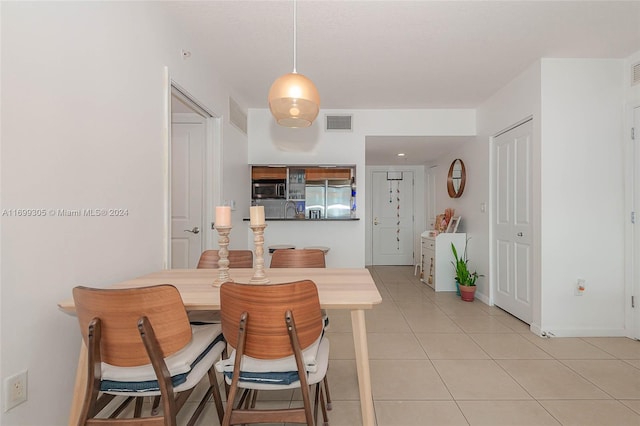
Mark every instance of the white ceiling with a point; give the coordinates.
(401, 54)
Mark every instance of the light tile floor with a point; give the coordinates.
(436, 360)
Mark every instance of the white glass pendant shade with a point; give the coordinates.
(294, 100)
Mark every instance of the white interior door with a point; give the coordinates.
(512, 224)
(392, 213)
(188, 136)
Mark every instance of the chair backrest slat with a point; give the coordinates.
(237, 259)
(119, 311)
(307, 258)
(266, 305)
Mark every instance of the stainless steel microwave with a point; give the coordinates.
(266, 189)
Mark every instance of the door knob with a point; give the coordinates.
(195, 230)
(519, 234)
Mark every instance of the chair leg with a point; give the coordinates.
(231, 395)
(121, 407)
(155, 405)
(315, 402)
(226, 386)
(325, 416)
(254, 398)
(137, 412)
(247, 402)
(244, 395)
(217, 398)
(326, 392)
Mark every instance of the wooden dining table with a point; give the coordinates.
(350, 289)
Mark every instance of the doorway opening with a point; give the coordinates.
(192, 155)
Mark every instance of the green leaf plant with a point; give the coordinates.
(463, 275)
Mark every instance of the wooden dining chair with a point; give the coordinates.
(237, 259)
(276, 333)
(140, 343)
(307, 258)
(209, 260)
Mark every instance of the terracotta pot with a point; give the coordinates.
(467, 293)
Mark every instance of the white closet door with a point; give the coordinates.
(512, 223)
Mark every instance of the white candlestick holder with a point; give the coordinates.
(259, 276)
(223, 254)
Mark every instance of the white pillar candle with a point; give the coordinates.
(223, 216)
(256, 215)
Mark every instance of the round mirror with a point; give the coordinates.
(456, 179)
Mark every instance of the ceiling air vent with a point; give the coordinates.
(635, 74)
(338, 123)
(237, 116)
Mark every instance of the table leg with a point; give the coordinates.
(79, 387)
(362, 364)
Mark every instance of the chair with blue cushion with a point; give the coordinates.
(140, 343)
(307, 258)
(277, 340)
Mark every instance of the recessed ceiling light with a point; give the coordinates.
(401, 154)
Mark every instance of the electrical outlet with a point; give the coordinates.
(580, 287)
(15, 390)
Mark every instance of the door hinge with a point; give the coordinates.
(633, 304)
(633, 133)
(633, 218)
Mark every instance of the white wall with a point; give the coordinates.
(578, 190)
(271, 144)
(82, 127)
(582, 186)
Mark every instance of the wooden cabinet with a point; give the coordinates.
(321, 173)
(265, 172)
(310, 173)
(436, 257)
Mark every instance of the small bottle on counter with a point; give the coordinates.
(353, 197)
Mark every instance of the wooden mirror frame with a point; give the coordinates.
(463, 179)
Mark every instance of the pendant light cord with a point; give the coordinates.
(295, 32)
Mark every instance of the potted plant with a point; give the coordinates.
(465, 279)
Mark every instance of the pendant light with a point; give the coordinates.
(293, 98)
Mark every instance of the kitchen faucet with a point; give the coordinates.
(286, 207)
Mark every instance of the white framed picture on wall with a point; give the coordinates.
(453, 225)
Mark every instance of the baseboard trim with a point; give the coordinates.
(582, 332)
